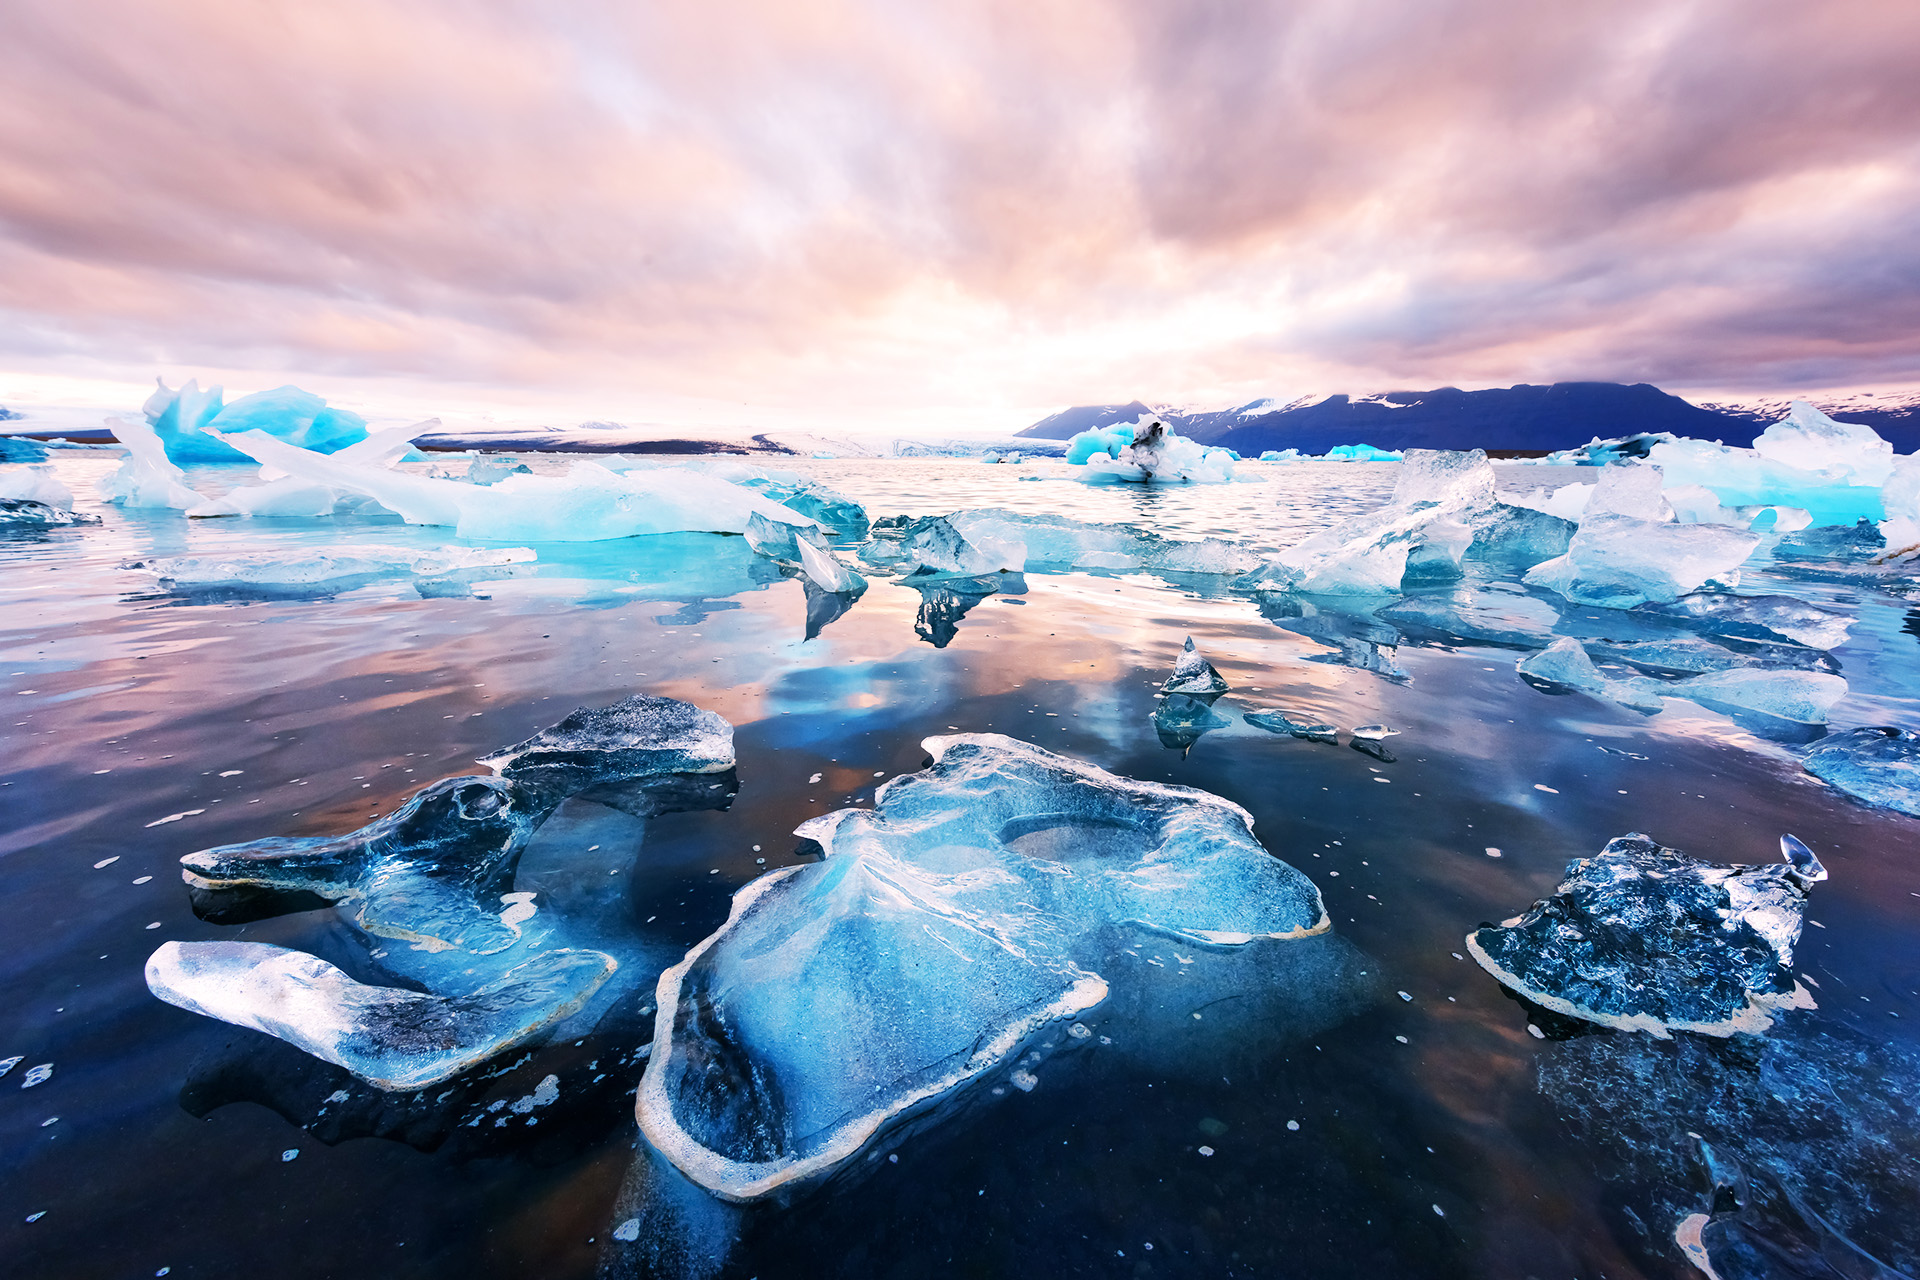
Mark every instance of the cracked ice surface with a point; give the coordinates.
(1644, 938)
(961, 914)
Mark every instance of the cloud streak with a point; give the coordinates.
(756, 211)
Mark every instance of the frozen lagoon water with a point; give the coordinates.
(1451, 1132)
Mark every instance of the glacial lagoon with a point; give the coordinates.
(1248, 1090)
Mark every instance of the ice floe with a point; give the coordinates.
(1879, 765)
(941, 930)
(1619, 561)
(1644, 938)
(438, 876)
(310, 566)
(1147, 451)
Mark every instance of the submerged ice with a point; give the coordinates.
(1644, 938)
(972, 906)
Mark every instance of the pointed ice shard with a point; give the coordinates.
(1644, 938)
(1194, 674)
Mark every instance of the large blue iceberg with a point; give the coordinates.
(190, 421)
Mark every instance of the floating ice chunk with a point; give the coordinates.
(1110, 441)
(805, 549)
(835, 512)
(35, 484)
(1618, 562)
(1060, 540)
(1155, 454)
(934, 545)
(1808, 440)
(1362, 453)
(637, 737)
(1879, 765)
(148, 478)
(393, 1039)
(1374, 731)
(1276, 721)
(1280, 455)
(941, 929)
(1568, 502)
(1901, 499)
(308, 566)
(1802, 697)
(24, 516)
(1630, 490)
(1442, 509)
(291, 496)
(588, 504)
(15, 449)
(1683, 655)
(1601, 453)
(1833, 470)
(1644, 938)
(8, 1064)
(1194, 674)
(1757, 617)
(37, 1075)
(179, 417)
(1565, 662)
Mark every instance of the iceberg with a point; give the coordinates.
(1565, 663)
(1644, 938)
(1361, 453)
(1755, 617)
(394, 1039)
(190, 423)
(148, 478)
(934, 545)
(589, 504)
(436, 874)
(1109, 441)
(974, 906)
(291, 496)
(1617, 561)
(310, 566)
(1879, 765)
(1443, 508)
(15, 449)
(1194, 674)
(1900, 497)
(1280, 455)
(1155, 454)
(1802, 697)
(1832, 470)
(803, 549)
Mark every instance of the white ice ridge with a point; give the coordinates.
(1443, 506)
(308, 565)
(393, 1039)
(147, 479)
(280, 494)
(588, 504)
(975, 904)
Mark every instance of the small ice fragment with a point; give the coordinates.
(1439, 1211)
(232, 773)
(1374, 731)
(1023, 1080)
(1293, 1126)
(1541, 786)
(289, 1155)
(628, 1231)
(1492, 852)
(338, 1095)
(106, 862)
(142, 879)
(35, 1217)
(1079, 1031)
(174, 817)
(50, 1120)
(1205, 1151)
(1535, 1032)
(814, 778)
(37, 1075)
(519, 910)
(8, 1064)
(1404, 996)
(1194, 674)
(1401, 1039)
(154, 925)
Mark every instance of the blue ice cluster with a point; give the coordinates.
(190, 421)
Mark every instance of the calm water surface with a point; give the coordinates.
(1382, 1109)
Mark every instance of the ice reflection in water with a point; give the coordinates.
(1443, 1099)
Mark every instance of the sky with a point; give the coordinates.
(922, 216)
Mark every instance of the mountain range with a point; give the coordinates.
(1522, 419)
